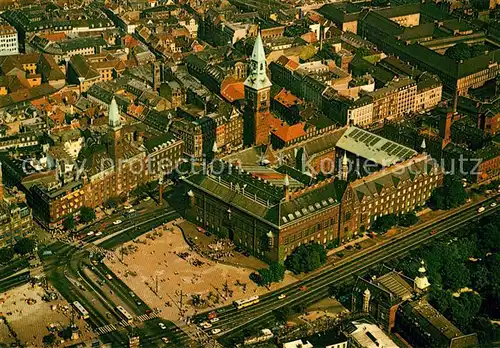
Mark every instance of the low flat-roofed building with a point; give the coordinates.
(369, 335)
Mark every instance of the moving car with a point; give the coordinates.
(162, 326)
(493, 204)
(91, 233)
(109, 276)
(433, 232)
(98, 234)
(127, 207)
(282, 296)
(165, 340)
(205, 325)
(303, 288)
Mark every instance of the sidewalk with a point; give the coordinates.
(342, 247)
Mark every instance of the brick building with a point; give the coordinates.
(269, 202)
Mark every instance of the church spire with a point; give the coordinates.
(257, 78)
(114, 115)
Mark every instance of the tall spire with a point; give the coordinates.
(257, 79)
(344, 175)
(114, 115)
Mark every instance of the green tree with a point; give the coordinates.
(69, 223)
(479, 276)
(24, 246)
(49, 339)
(87, 215)
(282, 314)
(455, 275)
(277, 271)
(384, 223)
(407, 220)
(306, 258)
(6, 254)
(440, 298)
(112, 202)
(489, 238)
(465, 308)
(460, 51)
(450, 195)
(486, 331)
(265, 276)
(66, 333)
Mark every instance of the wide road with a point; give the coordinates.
(231, 320)
(79, 278)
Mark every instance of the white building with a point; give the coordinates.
(8, 40)
(370, 336)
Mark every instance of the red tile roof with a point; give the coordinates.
(292, 65)
(54, 37)
(287, 99)
(309, 37)
(232, 89)
(288, 133)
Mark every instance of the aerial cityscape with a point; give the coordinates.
(250, 173)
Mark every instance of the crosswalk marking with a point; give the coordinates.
(141, 318)
(145, 317)
(105, 329)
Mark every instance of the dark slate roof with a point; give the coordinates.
(165, 138)
(264, 200)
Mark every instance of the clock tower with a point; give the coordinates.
(257, 96)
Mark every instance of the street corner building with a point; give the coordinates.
(80, 170)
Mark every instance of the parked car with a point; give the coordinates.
(216, 331)
(282, 296)
(162, 326)
(303, 288)
(480, 210)
(117, 222)
(493, 204)
(214, 320)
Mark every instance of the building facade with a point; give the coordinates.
(8, 40)
(271, 219)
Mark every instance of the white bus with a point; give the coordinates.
(247, 302)
(124, 314)
(81, 310)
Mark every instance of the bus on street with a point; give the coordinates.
(81, 310)
(246, 302)
(124, 314)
